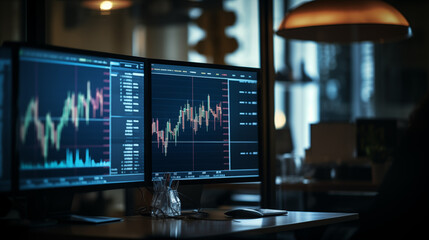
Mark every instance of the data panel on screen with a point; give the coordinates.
(5, 107)
(204, 122)
(81, 119)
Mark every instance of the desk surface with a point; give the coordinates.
(138, 227)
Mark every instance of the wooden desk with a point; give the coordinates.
(138, 227)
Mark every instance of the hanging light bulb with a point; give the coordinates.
(105, 6)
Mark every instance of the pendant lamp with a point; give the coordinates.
(345, 21)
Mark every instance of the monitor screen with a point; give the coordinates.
(204, 122)
(81, 119)
(5, 121)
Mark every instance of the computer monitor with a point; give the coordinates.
(80, 119)
(5, 119)
(205, 122)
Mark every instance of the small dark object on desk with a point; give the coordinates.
(195, 215)
(254, 212)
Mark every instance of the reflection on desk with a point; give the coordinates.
(138, 227)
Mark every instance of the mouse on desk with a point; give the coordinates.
(244, 213)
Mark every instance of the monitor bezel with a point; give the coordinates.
(16, 46)
(261, 153)
(8, 120)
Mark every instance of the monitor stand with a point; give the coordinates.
(44, 209)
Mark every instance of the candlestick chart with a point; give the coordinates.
(75, 108)
(63, 110)
(191, 117)
(190, 122)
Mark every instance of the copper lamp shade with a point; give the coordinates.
(345, 21)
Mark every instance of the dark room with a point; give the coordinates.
(286, 119)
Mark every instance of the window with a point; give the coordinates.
(10, 20)
(223, 32)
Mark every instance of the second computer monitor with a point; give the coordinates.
(204, 122)
(81, 119)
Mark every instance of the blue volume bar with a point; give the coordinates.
(70, 162)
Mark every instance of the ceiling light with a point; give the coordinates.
(345, 21)
(106, 5)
